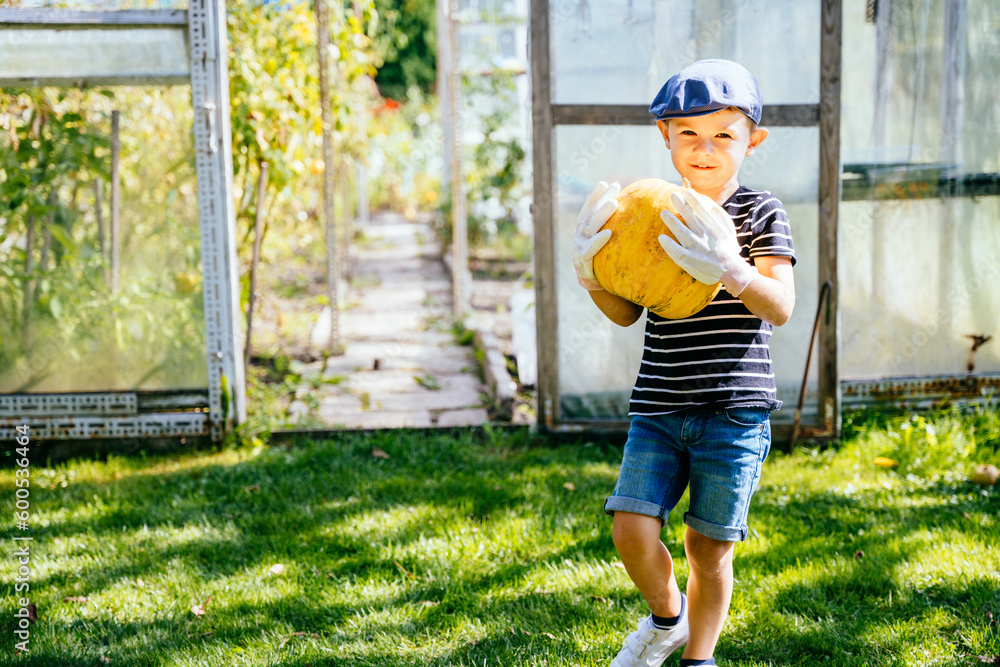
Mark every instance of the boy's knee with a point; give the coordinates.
(706, 552)
(634, 533)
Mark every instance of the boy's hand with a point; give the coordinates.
(586, 240)
(707, 247)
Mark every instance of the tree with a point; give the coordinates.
(407, 47)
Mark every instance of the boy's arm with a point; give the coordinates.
(771, 295)
(618, 310)
(587, 241)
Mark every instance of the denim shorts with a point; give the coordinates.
(717, 452)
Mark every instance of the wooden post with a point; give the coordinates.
(459, 220)
(543, 212)
(952, 108)
(829, 204)
(257, 239)
(332, 279)
(361, 113)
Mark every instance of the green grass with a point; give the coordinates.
(491, 548)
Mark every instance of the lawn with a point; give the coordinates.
(490, 548)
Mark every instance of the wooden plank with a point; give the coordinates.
(178, 78)
(76, 19)
(829, 201)
(778, 115)
(543, 212)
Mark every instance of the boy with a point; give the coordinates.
(701, 403)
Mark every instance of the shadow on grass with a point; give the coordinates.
(330, 510)
(854, 603)
(370, 528)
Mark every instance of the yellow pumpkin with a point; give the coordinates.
(634, 266)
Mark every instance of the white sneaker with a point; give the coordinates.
(649, 646)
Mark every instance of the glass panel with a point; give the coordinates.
(920, 224)
(918, 285)
(63, 56)
(622, 51)
(71, 319)
(598, 360)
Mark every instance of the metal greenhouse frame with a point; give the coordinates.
(208, 411)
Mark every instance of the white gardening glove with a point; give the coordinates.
(586, 239)
(706, 247)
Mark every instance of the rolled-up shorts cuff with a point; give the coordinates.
(634, 505)
(714, 530)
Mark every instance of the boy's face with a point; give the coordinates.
(709, 150)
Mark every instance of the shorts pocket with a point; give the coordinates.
(748, 417)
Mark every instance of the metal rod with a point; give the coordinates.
(99, 214)
(823, 293)
(29, 285)
(346, 219)
(116, 201)
(257, 239)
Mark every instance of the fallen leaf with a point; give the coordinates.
(569, 486)
(277, 568)
(859, 554)
(548, 634)
(32, 612)
(965, 515)
(990, 659)
(140, 583)
(379, 454)
(883, 462)
(79, 598)
(199, 609)
(253, 488)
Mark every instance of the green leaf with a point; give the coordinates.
(55, 306)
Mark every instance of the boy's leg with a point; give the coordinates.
(709, 591)
(647, 561)
(725, 470)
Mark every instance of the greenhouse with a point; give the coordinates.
(882, 147)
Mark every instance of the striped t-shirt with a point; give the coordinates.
(720, 354)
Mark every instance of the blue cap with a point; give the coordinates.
(705, 87)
